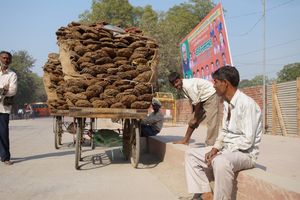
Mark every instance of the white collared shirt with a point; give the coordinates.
(197, 89)
(244, 129)
(8, 78)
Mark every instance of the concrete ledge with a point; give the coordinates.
(249, 184)
(258, 184)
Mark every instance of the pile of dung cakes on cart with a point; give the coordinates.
(102, 71)
(100, 68)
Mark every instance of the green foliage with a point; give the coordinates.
(40, 93)
(30, 86)
(173, 27)
(149, 21)
(289, 72)
(107, 138)
(116, 12)
(257, 80)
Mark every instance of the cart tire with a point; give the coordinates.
(57, 131)
(126, 139)
(56, 134)
(135, 142)
(60, 130)
(78, 142)
(92, 128)
(93, 143)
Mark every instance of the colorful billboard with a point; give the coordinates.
(206, 47)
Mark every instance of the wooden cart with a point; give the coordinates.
(60, 126)
(131, 128)
(58, 121)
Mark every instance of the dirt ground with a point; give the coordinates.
(42, 172)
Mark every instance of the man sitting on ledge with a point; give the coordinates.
(236, 147)
(153, 123)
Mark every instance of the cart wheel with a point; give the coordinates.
(57, 131)
(93, 145)
(126, 139)
(135, 142)
(60, 130)
(79, 131)
(92, 128)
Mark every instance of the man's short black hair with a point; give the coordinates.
(228, 73)
(173, 77)
(6, 52)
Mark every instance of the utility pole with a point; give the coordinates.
(264, 66)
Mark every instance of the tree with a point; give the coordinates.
(289, 72)
(257, 80)
(30, 87)
(40, 93)
(116, 12)
(148, 21)
(173, 27)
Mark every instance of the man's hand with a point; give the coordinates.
(210, 156)
(5, 88)
(181, 142)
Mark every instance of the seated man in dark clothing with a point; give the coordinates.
(153, 123)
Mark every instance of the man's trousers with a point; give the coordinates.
(4, 137)
(223, 165)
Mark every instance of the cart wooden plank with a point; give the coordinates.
(60, 113)
(120, 113)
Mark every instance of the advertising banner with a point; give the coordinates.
(206, 47)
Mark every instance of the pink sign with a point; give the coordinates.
(206, 47)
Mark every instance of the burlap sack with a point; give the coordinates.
(51, 94)
(68, 68)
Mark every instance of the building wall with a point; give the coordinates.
(184, 110)
(256, 93)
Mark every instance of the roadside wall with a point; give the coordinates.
(184, 108)
(282, 107)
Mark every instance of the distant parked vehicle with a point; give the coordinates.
(40, 109)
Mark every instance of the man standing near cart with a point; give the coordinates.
(205, 103)
(8, 87)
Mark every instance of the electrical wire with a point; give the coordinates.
(254, 13)
(271, 59)
(250, 30)
(259, 12)
(269, 47)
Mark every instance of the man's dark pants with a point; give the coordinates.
(148, 130)
(4, 137)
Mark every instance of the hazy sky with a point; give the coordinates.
(31, 25)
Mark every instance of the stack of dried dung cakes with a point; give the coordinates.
(54, 83)
(106, 69)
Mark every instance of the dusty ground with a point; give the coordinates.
(42, 172)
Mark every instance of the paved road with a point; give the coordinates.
(41, 172)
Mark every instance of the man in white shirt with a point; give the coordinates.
(205, 104)
(8, 85)
(236, 147)
(152, 124)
